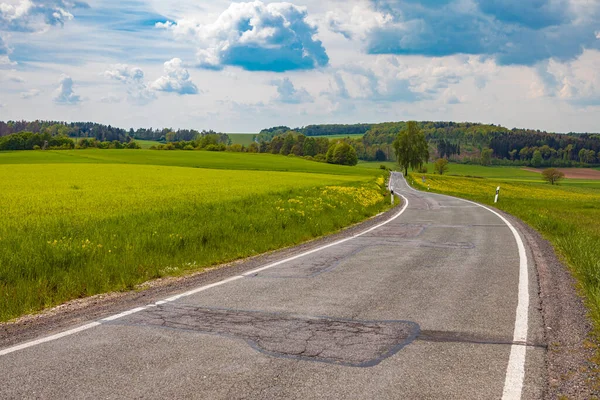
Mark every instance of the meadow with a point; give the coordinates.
(190, 159)
(79, 223)
(568, 215)
(245, 139)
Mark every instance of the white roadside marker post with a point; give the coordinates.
(497, 193)
(392, 195)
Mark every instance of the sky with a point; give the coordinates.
(245, 66)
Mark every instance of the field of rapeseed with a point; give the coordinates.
(567, 215)
(74, 230)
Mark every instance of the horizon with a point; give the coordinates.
(245, 66)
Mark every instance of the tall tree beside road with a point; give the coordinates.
(411, 147)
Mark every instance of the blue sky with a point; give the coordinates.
(240, 67)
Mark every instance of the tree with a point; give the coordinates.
(486, 156)
(342, 153)
(441, 166)
(552, 175)
(537, 159)
(411, 147)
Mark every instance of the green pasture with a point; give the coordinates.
(244, 139)
(352, 136)
(79, 223)
(191, 159)
(146, 144)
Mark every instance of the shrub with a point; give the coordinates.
(552, 175)
(423, 169)
(188, 147)
(440, 166)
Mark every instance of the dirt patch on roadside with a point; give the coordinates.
(572, 173)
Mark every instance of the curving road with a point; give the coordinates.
(435, 303)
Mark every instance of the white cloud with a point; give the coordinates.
(36, 15)
(110, 99)
(30, 93)
(255, 36)
(577, 82)
(287, 93)
(64, 94)
(177, 79)
(356, 22)
(133, 77)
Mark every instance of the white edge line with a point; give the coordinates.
(515, 371)
(48, 338)
(191, 292)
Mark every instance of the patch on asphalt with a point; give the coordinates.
(338, 341)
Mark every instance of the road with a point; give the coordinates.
(435, 303)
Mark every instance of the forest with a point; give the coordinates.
(461, 142)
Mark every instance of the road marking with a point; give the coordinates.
(193, 291)
(515, 371)
(49, 338)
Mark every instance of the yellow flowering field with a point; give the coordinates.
(69, 230)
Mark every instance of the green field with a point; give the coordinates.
(78, 223)
(191, 159)
(353, 136)
(244, 139)
(567, 215)
(146, 144)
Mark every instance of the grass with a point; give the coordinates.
(353, 136)
(193, 159)
(567, 215)
(376, 165)
(146, 144)
(81, 225)
(244, 139)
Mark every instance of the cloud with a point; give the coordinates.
(36, 15)
(177, 79)
(576, 82)
(30, 93)
(138, 92)
(256, 37)
(110, 99)
(64, 93)
(287, 93)
(33, 16)
(513, 32)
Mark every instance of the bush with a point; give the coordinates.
(440, 166)
(423, 169)
(215, 147)
(552, 175)
(342, 153)
(36, 147)
(188, 147)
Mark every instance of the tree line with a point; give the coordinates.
(466, 142)
(45, 141)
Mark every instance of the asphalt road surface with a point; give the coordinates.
(437, 302)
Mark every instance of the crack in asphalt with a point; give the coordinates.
(337, 341)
